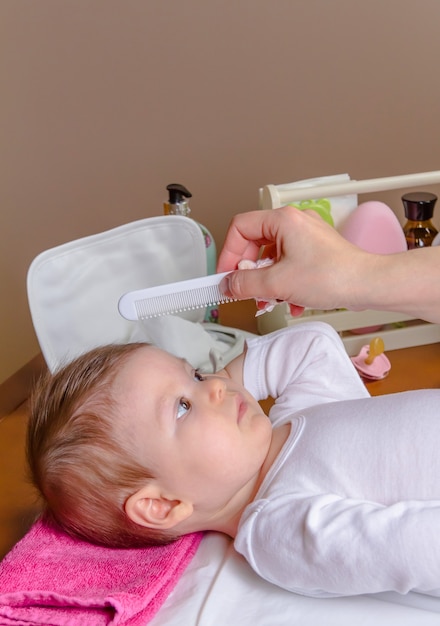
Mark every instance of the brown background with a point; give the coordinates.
(104, 102)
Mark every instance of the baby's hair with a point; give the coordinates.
(77, 456)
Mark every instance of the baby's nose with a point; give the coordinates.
(217, 389)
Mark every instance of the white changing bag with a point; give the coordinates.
(74, 289)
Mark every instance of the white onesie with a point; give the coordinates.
(351, 505)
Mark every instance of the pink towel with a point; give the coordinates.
(49, 578)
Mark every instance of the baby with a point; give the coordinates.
(335, 493)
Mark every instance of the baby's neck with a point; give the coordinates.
(279, 437)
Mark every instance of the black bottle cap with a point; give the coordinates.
(419, 205)
(177, 193)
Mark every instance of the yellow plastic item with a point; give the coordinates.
(377, 347)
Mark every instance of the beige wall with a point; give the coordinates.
(104, 102)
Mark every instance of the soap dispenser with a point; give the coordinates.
(419, 208)
(177, 204)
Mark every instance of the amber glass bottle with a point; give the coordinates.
(419, 209)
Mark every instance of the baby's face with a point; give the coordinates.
(204, 437)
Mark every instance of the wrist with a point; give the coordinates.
(365, 287)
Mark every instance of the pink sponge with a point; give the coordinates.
(373, 227)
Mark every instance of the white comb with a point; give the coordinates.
(185, 295)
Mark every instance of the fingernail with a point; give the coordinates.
(225, 286)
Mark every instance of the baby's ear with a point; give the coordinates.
(149, 507)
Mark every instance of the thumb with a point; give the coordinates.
(243, 284)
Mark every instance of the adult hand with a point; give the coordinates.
(314, 266)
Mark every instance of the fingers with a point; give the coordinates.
(245, 236)
(232, 254)
(296, 310)
(244, 284)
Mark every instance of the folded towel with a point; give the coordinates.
(50, 578)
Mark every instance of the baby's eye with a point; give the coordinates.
(198, 376)
(183, 408)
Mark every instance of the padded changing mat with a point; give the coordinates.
(74, 288)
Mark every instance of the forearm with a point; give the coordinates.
(317, 268)
(301, 366)
(408, 282)
(391, 548)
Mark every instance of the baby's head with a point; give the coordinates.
(79, 459)
(131, 446)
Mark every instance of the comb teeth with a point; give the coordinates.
(173, 298)
(179, 302)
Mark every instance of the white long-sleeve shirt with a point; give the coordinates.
(351, 505)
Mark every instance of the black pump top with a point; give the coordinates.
(177, 193)
(419, 205)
